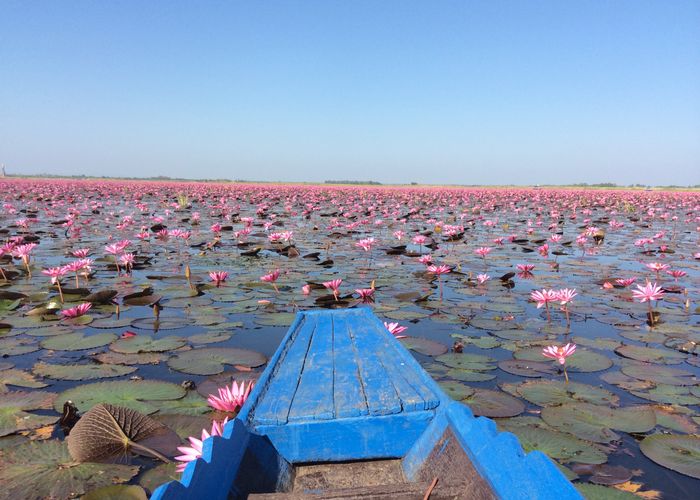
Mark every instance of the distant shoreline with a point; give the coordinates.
(351, 183)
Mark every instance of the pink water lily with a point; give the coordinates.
(366, 295)
(334, 286)
(231, 398)
(647, 293)
(271, 278)
(543, 298)
(194, 451)
(76, 311)
(395, 329)
(218, 277)
(560, 354)
(55, 273)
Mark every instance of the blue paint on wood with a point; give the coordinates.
(313, 399)
(348, 393)
(274, 428)
(273, 407)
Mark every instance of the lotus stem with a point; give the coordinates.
(149, 451)
(60, 291)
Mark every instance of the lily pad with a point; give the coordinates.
(18, 378)
(45, 469)
(424, 346)
(191, 404)
(139, 395)
(209, 338)
(163, 473)
(143, 358)
(679, 453)
(494, 404)
(14, 406)
(582, 360)
(81, 372)
(456, 390)
(117, 492)
(146, 343)
(550, 392)
(660, 374)
(669, 394)
(597, 492)
(594, 422)
(525, 368)
(557, 445)
(16, 346)
(211, 360)
(77, 341)
(467, 361)
(651, 355)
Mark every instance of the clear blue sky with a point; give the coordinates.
(394, 91)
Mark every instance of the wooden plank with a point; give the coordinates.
(314, 395)
(273, 408)
(349, 395)
(379, 391)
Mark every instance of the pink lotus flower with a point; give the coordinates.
(483, 251)
(55, 273)
(218, 277)
(559, 353)
(543, 250)
(76, 311)
(648, 292)
(333, 285)
(525, 268)
(483, 278)
(419, 239)
(657, 267)
(543, 298)
(366, 295)
(625, 281)
(365, 244)
(81, 253)
(399, 235)
(306, 289)
(194, 451)
(232, 397)
(676, 273)
(395, 329)
(426, 259)
(271, 278)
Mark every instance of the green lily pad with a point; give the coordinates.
(138, 395)
(156, 476)
(557, 445)
(424, 346)
(209, 338)
(483, 342)
(18, 378)
(669, 394)
(191, 404)
(679, 453)
(211, 360)
(525, 368)
(46, 469)
(669, 417)
(469, 375)
(594, 422)
(117, 492)
(275, 319)
(660, 374)
(77, 341)
(651, 355)
(582, 360)
(16, 346)
(456, 390)
(160, 324)
(146, 343)
(81, 372)
(185, 425)
(111, 323)
(597, 492)
(14, 406)
(143, 358)
(467, 361)
(551, 392)
(487, 403)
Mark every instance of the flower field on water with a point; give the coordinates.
(569, 316)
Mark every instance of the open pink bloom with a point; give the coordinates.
(76, 311)
(271, 277)
(399, 235)
(676, 273)
(544, 297)
(559, 353)
(23, 251)
(127, 260)
(525, 268)
(55, 273)
(657, 266)
(366, 295)
(218, 277)
(306, 289)
(438, 270)
(625, 281)
(232, 397)
(333, 285)
(215, 228)
(566, 295)
(426, 259)
(648, 292)
(395, 329)
(81, 253)
(194, 451)
(483, 251)
(365, 244)
(543, 250)
(419, 239)
(483, 278)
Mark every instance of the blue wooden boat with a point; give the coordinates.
(343, 410)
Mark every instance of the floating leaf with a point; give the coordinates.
(138, 395)
(16, 346)
(13, 416)
(191, 404)
(494, 404)
(467, 361)
(161, 474)
(424, 346)
(526, 368)
(117, 492)
(211, 360)
(18, 378)
(456, 390)
(81, 372)
(107, 431)
(144, 358)
(77, 341)
(660, 374)
(679, 453)
(582, 360)
(209, 338)
(146, 343)
(45, 469)
(184, 425)
(604, 473)
(594, 422)
(651, 355)
(669, 394)
(596, 492)
(550, 392)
